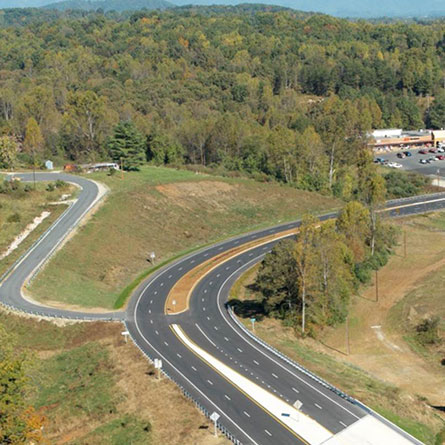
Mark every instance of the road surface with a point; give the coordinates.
(215, 361)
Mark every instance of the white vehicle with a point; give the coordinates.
(396, 165)
(441, 149)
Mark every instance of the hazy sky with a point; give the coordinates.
(346, 8)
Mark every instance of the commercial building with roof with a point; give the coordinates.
(397, 138)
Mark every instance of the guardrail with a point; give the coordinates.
(319, 380)
(188, 395)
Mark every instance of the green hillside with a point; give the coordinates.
(110, 5)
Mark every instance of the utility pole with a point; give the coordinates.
(122, 168)
(376, 286)
(404, 243)
(348, 351)
(34, 167)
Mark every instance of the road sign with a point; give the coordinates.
(214, 417)
(125, 334)
(158, 363)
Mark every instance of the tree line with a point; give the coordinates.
(273, 94)
(308, 282)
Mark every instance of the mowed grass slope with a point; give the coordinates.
(166, 211)
(93, 388)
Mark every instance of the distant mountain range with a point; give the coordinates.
(110, 5)
(340, 8)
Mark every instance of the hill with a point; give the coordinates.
(109, 5)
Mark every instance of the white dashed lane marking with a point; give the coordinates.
(246, 413)
(342, 423)
(318, 406)
(267, 432)
(275, 375)
(296, 390)
(227, 397)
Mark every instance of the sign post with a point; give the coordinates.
(253, 320)
(125, 334)
(152, 257)
(158, 366)
(214, 418)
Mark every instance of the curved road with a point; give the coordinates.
(209, 325)
(11, 285)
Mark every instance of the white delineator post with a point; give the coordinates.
(214, 418)
(158, 366)
(125, 334)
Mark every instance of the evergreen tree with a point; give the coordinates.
(128, 144)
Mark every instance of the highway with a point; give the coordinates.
(250, 402)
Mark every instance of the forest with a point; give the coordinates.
(278, 95)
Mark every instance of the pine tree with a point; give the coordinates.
(128, 144)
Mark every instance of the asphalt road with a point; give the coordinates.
(11, 286)
(209, 325)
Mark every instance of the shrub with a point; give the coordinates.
(60, 184)
(50, 187)
(14, 218)
(428, 331)
(27, 188)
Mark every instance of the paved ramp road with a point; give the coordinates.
(10, 289)
(216, 361)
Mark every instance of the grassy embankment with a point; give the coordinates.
(19, 208)
(87, 382)
(388, 368)
(166, 211)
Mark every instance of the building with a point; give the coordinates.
(396, 138)
(438, 137)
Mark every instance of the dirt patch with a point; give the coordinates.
(184, 194)
(376, 344)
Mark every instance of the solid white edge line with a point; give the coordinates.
(176, 369)
(264, 353)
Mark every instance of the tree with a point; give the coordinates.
(128, 144)
(8, 152)
(335, 283)
(436, 116)
(305, 262)
(19, 423)
(276, 279)
(33, 142)
(85, 123)
(372, 191)
(353, 224)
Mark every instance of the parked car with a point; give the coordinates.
(401, 155)
(424, 161)
(380, 160)
(423, 152)
(440, 157)
(407, 154)
(394, 165)
(441, 150)
(432, 159)
(432, 150)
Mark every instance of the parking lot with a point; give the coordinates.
(412, 163)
